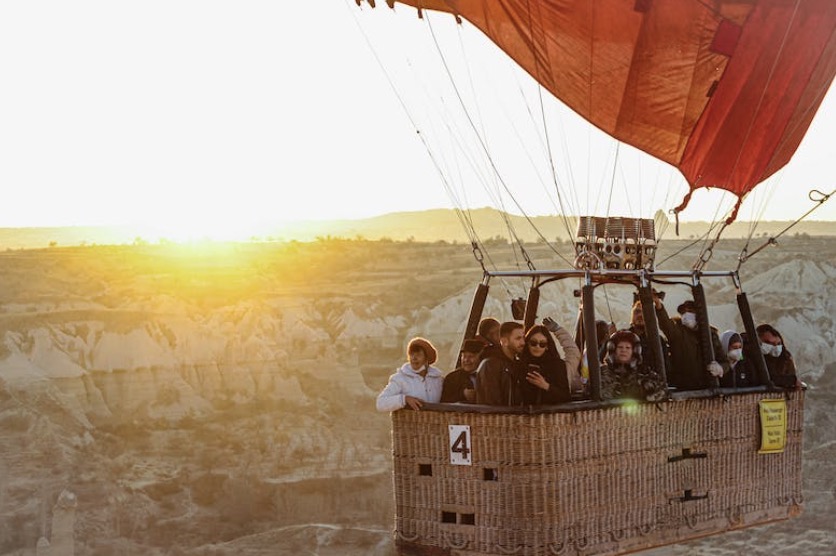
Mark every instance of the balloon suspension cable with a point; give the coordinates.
(528, 261)
(696, 241)
(464, 220)
(816, 196)
(487, 153)
(607, 298)
(708, 251)
(479, 256)
(546, 128)
(612, 179)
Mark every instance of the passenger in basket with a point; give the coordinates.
(571, 353)
(488, 334)
(779, 361)
(688, 369)
(638, 328)
(460, 385)
(741, 372)
(625, 375)
(416, 382)
(546, 376)
(501, 376)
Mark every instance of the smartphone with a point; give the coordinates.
(532, 368)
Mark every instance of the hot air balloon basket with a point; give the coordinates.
(470, 480)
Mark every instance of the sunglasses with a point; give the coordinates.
(538, 344)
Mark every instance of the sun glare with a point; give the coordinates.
(197, 229)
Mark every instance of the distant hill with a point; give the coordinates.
(424, 226)
(443, 224)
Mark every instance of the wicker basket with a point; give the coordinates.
(592, 481)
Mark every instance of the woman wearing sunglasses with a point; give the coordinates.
(547, 376)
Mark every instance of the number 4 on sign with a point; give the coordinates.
(460, 447)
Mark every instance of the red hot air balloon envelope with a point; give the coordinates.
(722, 90)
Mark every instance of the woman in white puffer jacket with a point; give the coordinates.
(416, 382)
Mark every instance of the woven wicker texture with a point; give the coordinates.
(600, 481)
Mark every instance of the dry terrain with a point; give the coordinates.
(218, 399)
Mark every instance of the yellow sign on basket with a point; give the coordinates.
(773, 426)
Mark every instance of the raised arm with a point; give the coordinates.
(571, 352)
(666, 325)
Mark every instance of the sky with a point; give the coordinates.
(220, 118)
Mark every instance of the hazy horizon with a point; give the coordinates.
(425, 226)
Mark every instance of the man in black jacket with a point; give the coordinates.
(460, 385)
(688, 369)
(501, 376)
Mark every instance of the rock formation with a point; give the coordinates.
(63, 528)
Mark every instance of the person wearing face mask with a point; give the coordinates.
(741, 371)
(779, 361)
(688, 369)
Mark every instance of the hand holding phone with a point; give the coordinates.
(534, 377)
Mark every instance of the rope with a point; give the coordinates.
(607, 298)
(488, 155)
(627, 196)
(696, 241)
(569, 232)
(503, 211)
(612, 180)
(707, 250)
(512, 232)
(527, 151)
(822, 198)
(467, 222)
(757, 214)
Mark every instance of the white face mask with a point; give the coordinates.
(769, 349)
(689, 320)
(736, 354)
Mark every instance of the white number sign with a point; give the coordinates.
(460, 446)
